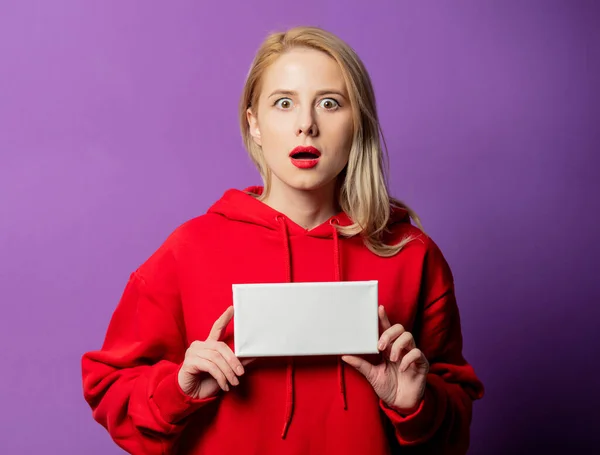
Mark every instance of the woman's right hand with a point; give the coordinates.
(210, 365)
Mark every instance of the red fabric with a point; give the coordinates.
(175, 296)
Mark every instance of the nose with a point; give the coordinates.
(307, 124)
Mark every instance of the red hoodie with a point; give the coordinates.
(304, 405)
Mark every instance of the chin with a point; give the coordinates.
(309, 182)
(314, 179)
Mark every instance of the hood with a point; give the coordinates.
(242, 206)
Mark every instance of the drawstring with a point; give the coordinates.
(286, 245)
(336, 251)
(289, 402)
(338, 277)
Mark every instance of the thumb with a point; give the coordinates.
(220, 324)
(247, 361)
(363, 367)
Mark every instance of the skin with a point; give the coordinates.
(304, 101)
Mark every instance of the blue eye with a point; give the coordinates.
(329, 103)
(283, 103)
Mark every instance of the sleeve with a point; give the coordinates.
(131, 382)
(442, 422)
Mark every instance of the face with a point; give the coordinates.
(303, 103)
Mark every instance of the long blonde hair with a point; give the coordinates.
(363, 192)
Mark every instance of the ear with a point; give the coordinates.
(253, 126)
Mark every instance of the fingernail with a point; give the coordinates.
(235, 381)
(380, 346)
(226, 388)
(240, 370)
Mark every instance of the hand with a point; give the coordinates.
(210, 365)
(400, 380)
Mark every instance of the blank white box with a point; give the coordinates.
(301, 319)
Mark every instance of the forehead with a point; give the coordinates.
(303, 69)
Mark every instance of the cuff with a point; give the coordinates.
(173, 403)
(424, 421)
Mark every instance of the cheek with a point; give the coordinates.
(273, 129)
(344, 135)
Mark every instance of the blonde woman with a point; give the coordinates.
(166, 379)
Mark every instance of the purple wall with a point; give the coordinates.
(118, 121)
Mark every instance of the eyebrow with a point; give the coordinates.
(319, 93)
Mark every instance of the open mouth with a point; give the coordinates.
(305, 153)
(304, 156)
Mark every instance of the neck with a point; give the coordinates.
(307, 208)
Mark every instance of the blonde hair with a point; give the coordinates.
(363, 190)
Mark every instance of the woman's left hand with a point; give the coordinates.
(400, 380)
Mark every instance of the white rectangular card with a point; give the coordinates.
(299, 319)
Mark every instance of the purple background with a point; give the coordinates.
(118, 121)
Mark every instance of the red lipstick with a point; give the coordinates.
(305, 157)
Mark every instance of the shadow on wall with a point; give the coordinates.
(536, 344)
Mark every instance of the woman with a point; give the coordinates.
(166, 379)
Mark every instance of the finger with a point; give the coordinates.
(385, 322)
(389, 336)
(206, 366)
(364, 367)
(216, 358)
(404, 342)
(220, 324)
(228, 355)
(414, 356)
(247, 361)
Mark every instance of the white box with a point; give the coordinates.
(299, 319)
